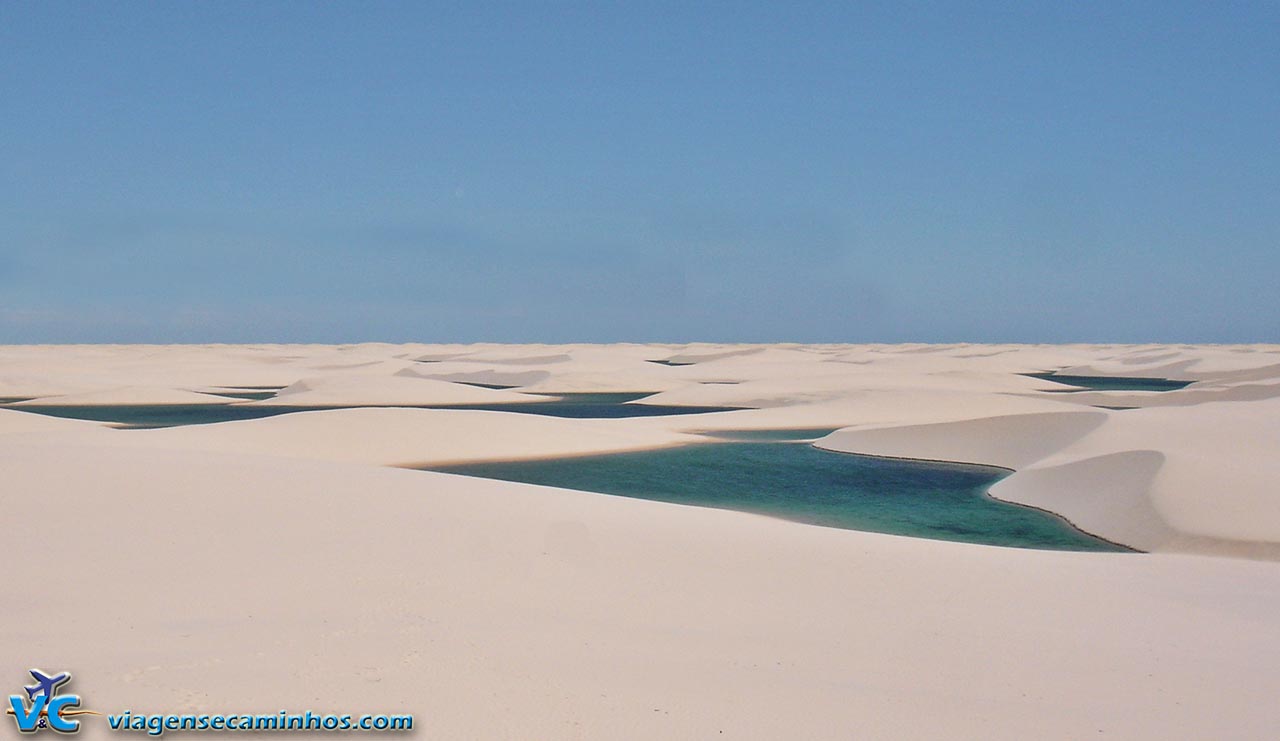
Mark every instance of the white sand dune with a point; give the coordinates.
(1194, 362)
(347, 390)
(1195, 479)
(279, 562)
(1197, 393)
(1010, 441)
(487, 377)
(408, 437)
(139, 395)
(504, 356)
(692, 357)
(571, 369)
(877, 408)
(621, 380)
(1107, 495)
(778, 391)
(1217, 485)
(22, 386)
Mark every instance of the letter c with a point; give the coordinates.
(56, 721)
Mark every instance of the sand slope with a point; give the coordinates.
(1010, 441)
(347, 390)
(130, 395)
(407, 437)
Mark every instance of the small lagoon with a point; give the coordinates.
(1110, 383)
(150, 416)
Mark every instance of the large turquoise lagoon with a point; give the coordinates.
(797, 481)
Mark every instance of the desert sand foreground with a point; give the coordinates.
(290, 562)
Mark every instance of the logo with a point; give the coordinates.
(43, 707)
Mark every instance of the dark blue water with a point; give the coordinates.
(582, 406)
(799, 482)
(243, 394)
(1111, 383)
(774, 436)
(146, 416)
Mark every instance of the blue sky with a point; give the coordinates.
(548, 172)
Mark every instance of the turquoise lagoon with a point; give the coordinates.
(797, 481)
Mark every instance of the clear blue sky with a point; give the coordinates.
(546, 171)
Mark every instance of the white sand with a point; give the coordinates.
(140, 395)
(409, 437)
(278, 563)
(380, 390)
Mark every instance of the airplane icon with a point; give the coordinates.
(46, 684)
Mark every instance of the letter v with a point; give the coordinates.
(27, 719)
